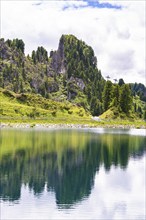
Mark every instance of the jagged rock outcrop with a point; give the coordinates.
(69, 73)
(12, 54)
(58, 59)
(4, 50)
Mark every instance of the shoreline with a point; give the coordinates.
(65, 126)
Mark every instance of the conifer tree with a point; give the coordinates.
(95, 106)
(107, 95)
(115, 96)
(125, 98)
(121, 82)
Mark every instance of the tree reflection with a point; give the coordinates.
(65, 161)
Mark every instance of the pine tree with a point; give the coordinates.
(107, 95)
(121, 82)
(95, 106)
(33, 56)
(125, 98)
(115, 96)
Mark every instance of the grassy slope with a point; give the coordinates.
(30, 108)
(115, 113)
(115, 117)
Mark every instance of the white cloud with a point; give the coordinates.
(115, 195)
(117, 36)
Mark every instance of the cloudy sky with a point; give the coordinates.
(115, 29)
(102, 203)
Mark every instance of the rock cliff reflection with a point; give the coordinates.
(64, 160)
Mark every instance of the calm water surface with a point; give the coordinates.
(72, 174)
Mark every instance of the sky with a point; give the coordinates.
(102, 203)
(115, 29)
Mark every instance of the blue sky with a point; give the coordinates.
(114, 29)
(97, 4)
(89, 3)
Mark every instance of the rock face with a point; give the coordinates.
(77, 81)
(52, 87)
(80, 83)
(4, 52)
(70, 73)
(10, 54)
(58, 59)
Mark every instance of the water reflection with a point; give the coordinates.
(66, 161)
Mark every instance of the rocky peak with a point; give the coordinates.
(4, 50)
(10, 52)
(58, 58)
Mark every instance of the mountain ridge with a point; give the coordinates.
(69, 74)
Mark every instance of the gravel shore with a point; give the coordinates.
(57, 126)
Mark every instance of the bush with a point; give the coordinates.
(32, 125)
(1, 111)
(66, 107)
(54, 113)
(70, 111)
(22, 97)
(8, 93)
(81, 113)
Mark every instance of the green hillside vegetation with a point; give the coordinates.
(64, 83)
(138, 89)
(22, 106)
(119, 103)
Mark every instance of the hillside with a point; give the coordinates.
(23, 106)
(68, 75)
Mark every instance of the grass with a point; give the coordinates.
(31, 106)
(75, 122)
(34, 109)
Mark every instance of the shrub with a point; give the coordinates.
(32, 125)
(8, 93)
(70, 111)
(54, 113)
(81, 113)
(66, 107)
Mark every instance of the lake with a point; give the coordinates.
(72, 174)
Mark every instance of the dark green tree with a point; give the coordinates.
(115, 96)
(107, 95)
(41, 54)
(121, 82)
(20, 45)
(125, 98)
(33, 56)
(96, 106)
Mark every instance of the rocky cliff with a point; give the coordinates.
(70, 72)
